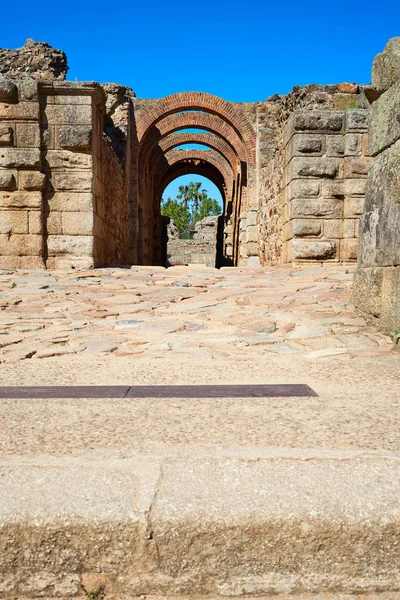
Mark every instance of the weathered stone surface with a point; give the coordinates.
(335, 145)
(20, 199)
(74, 180)
(70, 244)
(353, 207)
(77, 223)
(13, 222)
(15, 158)
(367, 293)
(313, 250)
(356, 167)
(66, 159)
(313, 208)
(28, 135)
(8, 90)
(313, 167)
(333, 228)
(386, 66)
(383, 183)
(6, 136)
(34, 59)
(75, 138)
(63, 114)
(308, 144)
(21, 244)
(32, 180)
(305, 227)
(303, 189)
(356, 120)
(384, 127)
(349, 250)
(24, 111)
(380, 237)
(7, 180)
(35, 222)
(320, 120)
(70, 201)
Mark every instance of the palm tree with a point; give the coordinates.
(196, 194)
(184, 194)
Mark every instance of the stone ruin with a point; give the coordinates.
(83, 167)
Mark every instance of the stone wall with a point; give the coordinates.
(377, 279)
(325, 168)
(202, 249)
(21, 177)
(34, 59)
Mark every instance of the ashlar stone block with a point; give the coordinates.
(322, 120)
(7, 181)
(21, 244)
(303, 189)
(333, 228)
(11, 158)
(312, 208)
(13, 221)
(335, 145)
(353, 207)
(8, 91)
(32, 180)
(77, 223)
(357, 120)
(66, 159)
(6, 136)
(23, 111)
(74, 180)
(68, 115)
(70, 201)
(356, 167)
(314, 167)
(21, 200)
(321, 250)
(305, 227)
(28, 135)
(74, 245)
(348, 250)
(75, 138)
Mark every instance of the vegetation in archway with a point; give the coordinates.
(192, 204)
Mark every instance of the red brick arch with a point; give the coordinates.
(191, 120)
(213, 141)
(202, 162)
(200, 101)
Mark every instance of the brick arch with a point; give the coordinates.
(191, 120)
(191, 156)
(213, 141)
(197, 167)
(202, 102)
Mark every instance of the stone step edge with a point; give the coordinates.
(228, 527)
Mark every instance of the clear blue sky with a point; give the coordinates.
(242, 51)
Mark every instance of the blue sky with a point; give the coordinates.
(243, 51)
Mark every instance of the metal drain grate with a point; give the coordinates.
(161, 391)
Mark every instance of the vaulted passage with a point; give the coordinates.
(168, 134)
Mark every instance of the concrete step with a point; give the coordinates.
(309, 526)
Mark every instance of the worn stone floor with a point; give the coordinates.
(184, 497)
(198, 325)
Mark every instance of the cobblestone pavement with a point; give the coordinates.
(195, 325)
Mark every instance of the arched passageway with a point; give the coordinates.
(168, 134)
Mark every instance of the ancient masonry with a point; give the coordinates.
(83, 167)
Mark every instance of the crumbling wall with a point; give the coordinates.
(34, 59)
(21, 176)
(377, 279)
(201, 249)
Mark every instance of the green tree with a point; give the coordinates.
(180, 214)
(190, 205)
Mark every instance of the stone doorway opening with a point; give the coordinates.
(193, 209)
